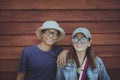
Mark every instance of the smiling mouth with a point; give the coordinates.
(79, 46)
(49, 39)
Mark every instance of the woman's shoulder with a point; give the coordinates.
(98, 58)
(99, 61)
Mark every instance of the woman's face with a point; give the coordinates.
(80, 42)
(49, 36)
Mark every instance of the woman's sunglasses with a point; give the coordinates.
(82, 39)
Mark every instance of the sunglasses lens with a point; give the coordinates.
(48, 33)
(75, 40)
(83, 40)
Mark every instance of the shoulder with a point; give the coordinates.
(99, 61)
(29, 48)
(99, 64)
(57, 48)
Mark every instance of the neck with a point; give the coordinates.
(81, 56)
(44, 47)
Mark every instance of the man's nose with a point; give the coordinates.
(51, 35)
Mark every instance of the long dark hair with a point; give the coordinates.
(89, 54)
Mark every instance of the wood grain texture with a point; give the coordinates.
(8, 75)
(25, 40)
(60, 4)
(30, 27)
(59, 15)
(19, 20)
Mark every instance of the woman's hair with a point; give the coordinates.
(89, 54)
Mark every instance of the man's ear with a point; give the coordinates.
(41, 34)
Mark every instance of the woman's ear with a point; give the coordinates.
(90, 42)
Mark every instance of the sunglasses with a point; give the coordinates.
(82, 39)
(48, 33)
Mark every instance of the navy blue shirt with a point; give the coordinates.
(37, 64)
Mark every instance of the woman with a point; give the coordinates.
(38, 62)
(85, 65)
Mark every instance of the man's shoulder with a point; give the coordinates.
(29, 48)
(56, 47)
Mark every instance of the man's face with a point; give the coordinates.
(49, 36)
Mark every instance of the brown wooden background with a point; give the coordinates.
(20, 18)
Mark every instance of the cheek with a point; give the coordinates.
(86, 44)
(43, 37)
(56, 38)
(74, 45)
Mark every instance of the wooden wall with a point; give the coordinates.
(19, 20)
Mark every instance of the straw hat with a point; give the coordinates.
(50, 25)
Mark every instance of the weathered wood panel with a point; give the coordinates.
(24, 40)
(8, 75)
(8, 65)
(59, 15)
(30, 27)
(59, 4)
(114, 74)
(19, 20)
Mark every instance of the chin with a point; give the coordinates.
(49, 43)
